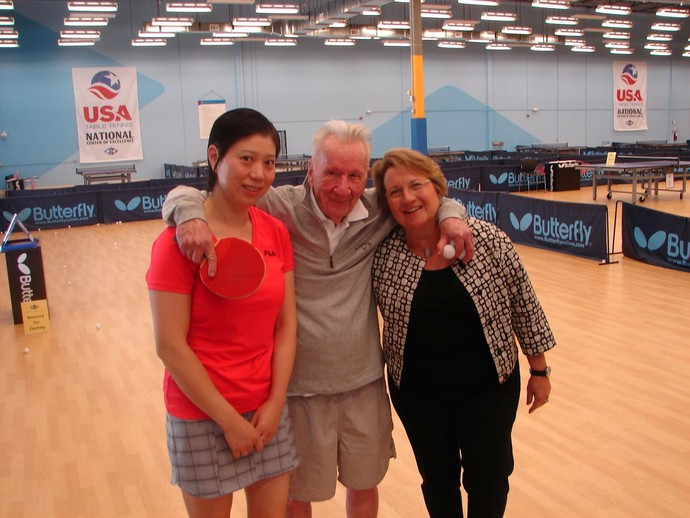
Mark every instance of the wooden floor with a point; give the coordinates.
(82, 418)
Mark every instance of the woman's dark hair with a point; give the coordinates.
(233, 126)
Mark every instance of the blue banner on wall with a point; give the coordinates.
(41, 212)
(502, 178)
(479, 204)
(656, 237)
(572, 228)
(132, 204)
(465, 178)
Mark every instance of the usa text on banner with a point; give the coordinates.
(572, 228)
(655, 237)
(107, 114)
(629, 96)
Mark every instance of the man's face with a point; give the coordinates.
(338, 175)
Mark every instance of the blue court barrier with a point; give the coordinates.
(656, 237)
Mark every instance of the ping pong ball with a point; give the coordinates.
(98, 326)
(26, 350)
(449, 251)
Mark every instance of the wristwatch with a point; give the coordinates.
(545, 373)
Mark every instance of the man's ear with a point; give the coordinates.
(310, 173)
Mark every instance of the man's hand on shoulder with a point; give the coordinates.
(196, 241)
(457, 231)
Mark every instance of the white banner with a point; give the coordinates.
(209, 111)
(629, 96)
(107, 107)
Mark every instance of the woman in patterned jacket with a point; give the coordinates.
(455, 393)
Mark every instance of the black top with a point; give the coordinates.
(446, 354)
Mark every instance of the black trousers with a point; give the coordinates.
(472, 434)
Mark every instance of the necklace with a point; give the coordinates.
(427, 250)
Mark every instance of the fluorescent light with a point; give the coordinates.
(6, 5)
(450, 44)
(617, 35)
(76, 43)
(154, 31)
(394, 25)
(660, 52)
(436, 11)
(492, 3)
(499, 17)
(188, 7)
(574, 42)
(86, 22)
(9, 43)
(662, 26)
(217, 41)
(459, 25)
(498, 46)
(656, 46)
(339, 42)
(543, 47)
(515, 29)
(616, 10)
(6, 20)
(583, 48)
(80, 34)
(8, 34)
(551, 4)
(149, 42)
(251, 22)
(660, 36)
(396, 43)
(371, 11)
(561, 20)
(277, 9)
(622, 51)
(229, 32)
(617, 24)
(672, 12)
(617, 44)
(161, 21)
(93, 7)
(280, 42)
(564, 31)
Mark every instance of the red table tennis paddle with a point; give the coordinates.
(240, 269)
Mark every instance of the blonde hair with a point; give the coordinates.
(415, 162)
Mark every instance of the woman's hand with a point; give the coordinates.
(267, 419)
(243, 438)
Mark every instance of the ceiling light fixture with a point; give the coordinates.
(660, 52)
(93, 7)
(394, 25)
(616, 10)
(251, 22)
(515, 29)
(583, 48)
(172, 22)
(626, 51)
(75, 43)
(396, 43)
(561, 20)
(371, 11)
(498, 46)
(188, 7)
(499, 17)
(492, 3)
(570, 42)
(564, 31)
(459, 25)
(551, 4)
(617, 45)
(6, 20)
(86, 22)
(672, 12)
(8, 34)
(339, 42)
(663, 26)
(6, 5)
(9, 43)
(280, 42)
(80, 34)
(450, 44)
(660, 36)
(656, 46)
(277, 9)
(436, 11)
(543, 47)
(617, 35)
(149, 42)
(217, 41)
(617, 24)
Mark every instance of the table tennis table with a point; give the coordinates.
(647, 172)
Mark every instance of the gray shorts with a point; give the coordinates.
(203, 465)
(346, 436)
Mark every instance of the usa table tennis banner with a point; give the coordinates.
(629, 96)
(656, 237)
(571, 228)
(107, 111)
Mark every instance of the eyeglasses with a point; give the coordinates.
(414, 187)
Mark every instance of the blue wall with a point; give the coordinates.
(473, 96)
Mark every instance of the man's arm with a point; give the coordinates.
(184, 207)
(182, 204)
(454, 230)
